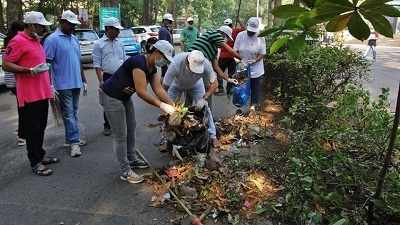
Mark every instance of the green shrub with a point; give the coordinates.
(333, 167)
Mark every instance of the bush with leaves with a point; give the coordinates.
(317, 76)
(333, 167)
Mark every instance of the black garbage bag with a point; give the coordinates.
(192, 134)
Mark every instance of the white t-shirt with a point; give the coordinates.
(248, 48)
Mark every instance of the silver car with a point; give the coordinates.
(86, 38)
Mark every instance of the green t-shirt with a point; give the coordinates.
(188, 37)
(208, 44)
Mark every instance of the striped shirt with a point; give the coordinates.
(208, 44)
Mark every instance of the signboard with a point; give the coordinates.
(106, 12)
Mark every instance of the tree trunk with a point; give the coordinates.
(146, 14)
(156, 8)
(172, 8)
(270, 16)
(277, 3)
(14, 11)
(2, 27)
(151, 9)
(296, 2)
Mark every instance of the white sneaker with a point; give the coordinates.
(75, 151)
(21, 142)
(131, 177)
(81, 143)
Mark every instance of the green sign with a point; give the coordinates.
(106, 12)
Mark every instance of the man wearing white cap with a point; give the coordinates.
(108, 55)
(252, 49)
(165, 33)
(165, 30)
(62, 51)
(186, 75)
(26, 58)
(189, 34)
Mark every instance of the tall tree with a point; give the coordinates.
(146, 12)
(14, 11)
(2, 28)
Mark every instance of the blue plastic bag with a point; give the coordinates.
(241, 93)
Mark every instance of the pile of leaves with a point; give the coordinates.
(236, 189)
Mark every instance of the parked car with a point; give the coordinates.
(177, 36)
(142, 33)
(2, 37)
(86, 38)
(132, 46)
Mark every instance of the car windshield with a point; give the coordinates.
(125, 33)
(86, 35)
(154, 29)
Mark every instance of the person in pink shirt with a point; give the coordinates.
(26, 58)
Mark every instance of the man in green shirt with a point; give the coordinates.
(189, 35)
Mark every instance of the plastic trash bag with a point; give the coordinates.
(241, 93)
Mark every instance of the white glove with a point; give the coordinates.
(85, 89)
(233, 81)
(40, 68)
(169, 109)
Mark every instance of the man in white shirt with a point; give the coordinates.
(252, 50)
(186, 75)
(108, 55)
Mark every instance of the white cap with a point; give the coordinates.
(34, 17)
(226, 30)
(189, 19)
(196, 61)
(70, 17)
(165, 48)
(112, 22)
(168, 16)
(228, 21)
(253, 25)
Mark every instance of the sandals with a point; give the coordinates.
(41, 170)
(50, 160)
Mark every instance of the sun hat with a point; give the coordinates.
(112, 22)
(34, 17)
(226, 30)
(228, 21)
(253, 25)
(196, 61)
(168, 16)
(70, 17)
(165, 48)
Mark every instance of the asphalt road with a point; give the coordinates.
(85, 190)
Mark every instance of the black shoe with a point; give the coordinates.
(138, 164)
(107, 132)
(220, 92)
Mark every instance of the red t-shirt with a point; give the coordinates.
(224, 53)
(26, 51)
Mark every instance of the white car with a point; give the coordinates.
(143, 33)
(86, 38)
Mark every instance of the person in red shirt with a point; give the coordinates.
(226, 59)
(26, 58)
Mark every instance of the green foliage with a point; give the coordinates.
(319, 74)
(337, 15)
(333, 167)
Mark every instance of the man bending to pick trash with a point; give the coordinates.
(186, 75)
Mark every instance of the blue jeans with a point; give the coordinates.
(255, 86)
(69, 101)
(196, 93)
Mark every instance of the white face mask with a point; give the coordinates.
(161, 62)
